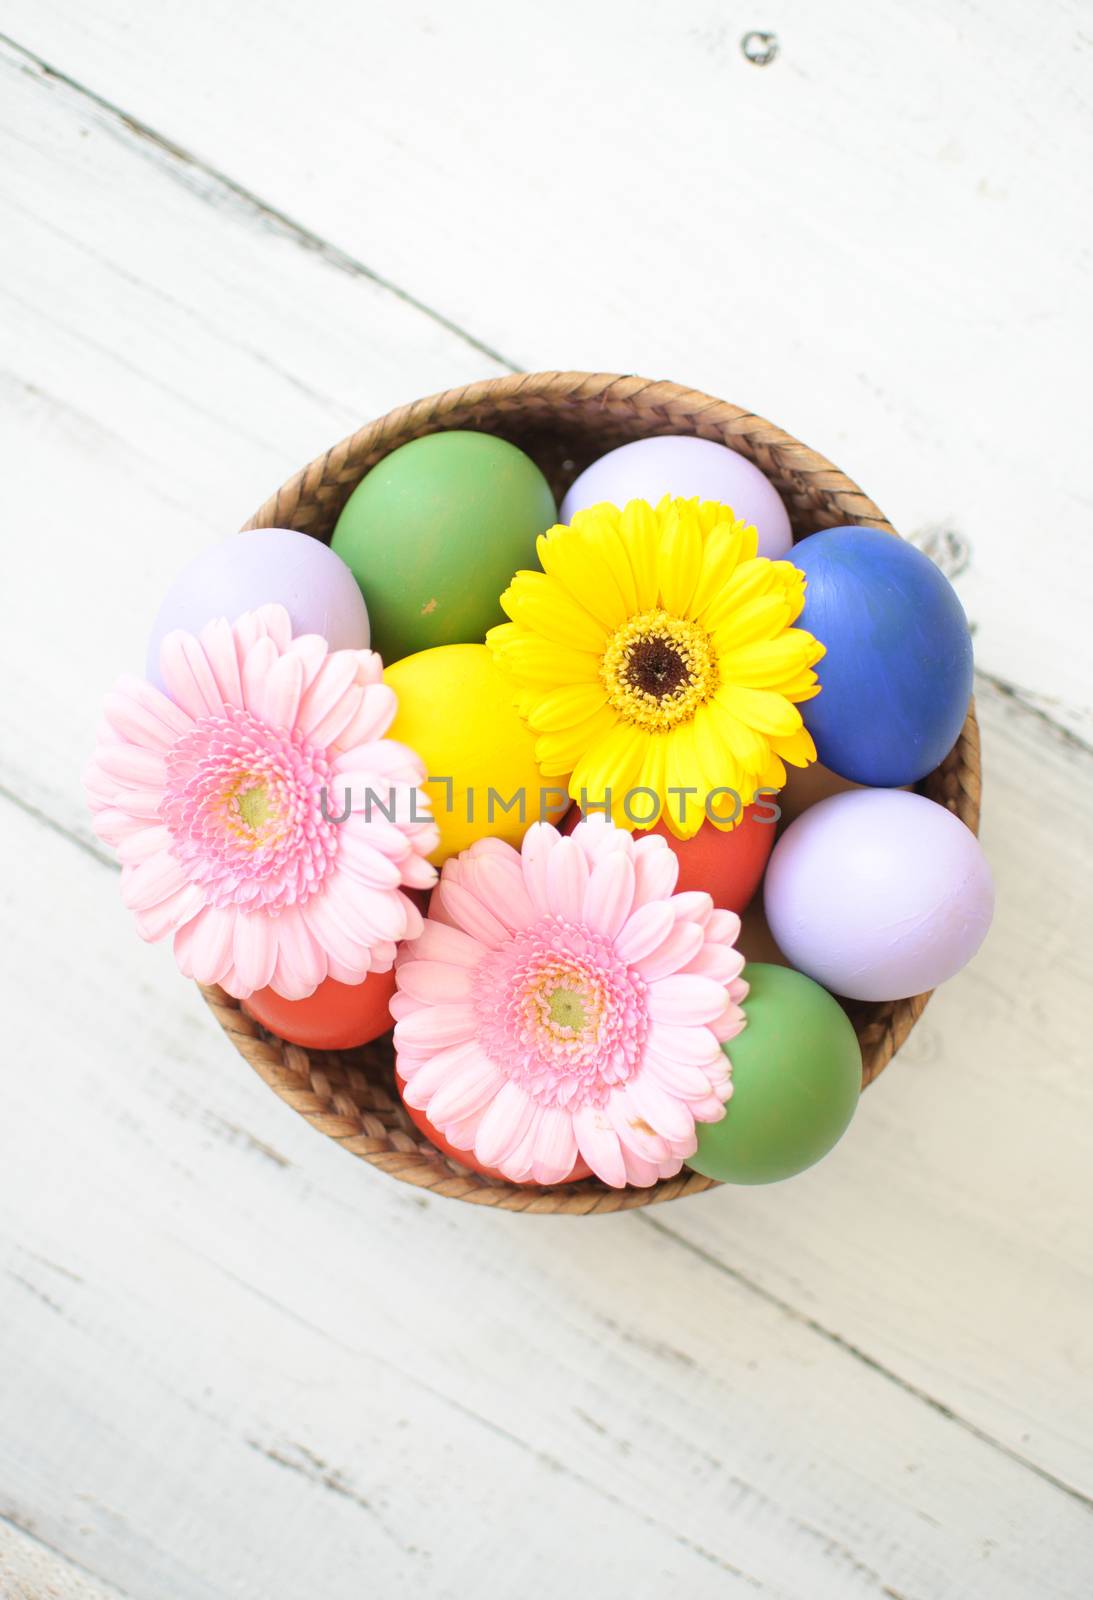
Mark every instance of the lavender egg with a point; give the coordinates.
(648, 469)
(263, 567)
(878, 894)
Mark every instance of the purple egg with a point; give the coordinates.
(263, 567)
(648, 469)
(878, 894)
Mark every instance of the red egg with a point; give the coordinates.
(466, 1158)
(729, 866)
(337, 1016)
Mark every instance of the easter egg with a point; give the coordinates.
(728, 866)
(796, 1080)
(338, 1016)
(455, 709)
(897, 677)
(434, 533)
(467, 1158)
(648, 469)
(265, 566)
(878, 894)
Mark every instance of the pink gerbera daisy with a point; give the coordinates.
(213, 796)
(562, 1001)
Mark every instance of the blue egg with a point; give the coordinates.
(897, 676)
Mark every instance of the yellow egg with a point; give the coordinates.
(455, 709)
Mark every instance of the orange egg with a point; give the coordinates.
(337, 1016)
(466, 1158)
(729, 866)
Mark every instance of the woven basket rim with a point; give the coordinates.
(348, 1095)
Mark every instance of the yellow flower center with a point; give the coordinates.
(250, 813)
(567, 1009)
(658, 669)
(253, 806)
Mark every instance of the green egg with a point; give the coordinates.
(434, 533)
(796, 1073)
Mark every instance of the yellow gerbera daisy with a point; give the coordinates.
(655, 652)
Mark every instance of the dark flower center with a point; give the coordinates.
(656, 667)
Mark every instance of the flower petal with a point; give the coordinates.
(640, 533)
(598, 1143)
(187, 676)
(132, 766)
(609, 896)
(299, 953)
(567, 880)
(656, 869)
(682, 1079)
(539, 603)
(258, 665)
(436, 982)
(274, 622)
(770, 713)
(679, 557)
(540, 842)
(692, 905)
(531, 660)
(645, 930)
(685, 1001)
(718, 961)
(723, 926)
(157, 921)
(151, 881)
(278, 698)
(135, 716)
(643, 1174)
(254, 952)
(466, 1091)
(312, 651)
(680, 947)
(211, 934)
(142, 844)
(517, 1164)
(332, 936)
(695, 1047)
(375, 714)
(439, 942)
(498, 883)
(559, 753)
(572, 556)
(724, 545)
(610, 767)
(567, 706)
(436, 1026)
(504, 1124)
(634, 1130)
(360, 857)
(468, 912)
(218, 640)
(731, 1022)
(367, 915)
(332, 700)
(664, 1112)
(555, 1146)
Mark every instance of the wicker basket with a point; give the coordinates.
(564, 420)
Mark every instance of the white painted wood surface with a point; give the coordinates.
(233, 1361)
